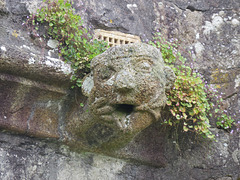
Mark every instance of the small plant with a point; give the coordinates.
(76, 43)
(189, 101)
(225, 122)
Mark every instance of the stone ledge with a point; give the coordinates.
(17, 61)
(28, 82)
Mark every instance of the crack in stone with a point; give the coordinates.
(192, 8)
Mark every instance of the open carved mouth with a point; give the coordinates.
(125, 108)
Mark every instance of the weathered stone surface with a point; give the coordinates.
(209, 28)
(34, 81)
(20, 55)
(28, 109)
(26, 158)
(122, 16)
(127, 93)
(22, 157)
(16, 60)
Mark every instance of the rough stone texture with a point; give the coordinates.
(127, 92)
(33, 80)
(29, 109)
(22, 157)
(209, 28)
(25, 158)
(22, 55)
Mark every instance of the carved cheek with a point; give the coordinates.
(150, 89)
(104, 88)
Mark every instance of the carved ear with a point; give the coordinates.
(87, 85)
(170, 77)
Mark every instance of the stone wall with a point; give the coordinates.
(32, 87)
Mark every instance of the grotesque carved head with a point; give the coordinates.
(126, 87)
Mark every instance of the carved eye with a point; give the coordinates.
(106, 72)
(143, 66)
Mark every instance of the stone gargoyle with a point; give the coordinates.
(126, 93)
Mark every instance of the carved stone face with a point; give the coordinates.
(127, 86)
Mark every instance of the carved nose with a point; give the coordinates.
(124, 82)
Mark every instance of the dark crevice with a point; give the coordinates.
(125, 108)
(192, 8)
(99, 25)
(230, 95)
(3, 12)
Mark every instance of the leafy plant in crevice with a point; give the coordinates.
(76, 43)
(225, 122)
(190, 101)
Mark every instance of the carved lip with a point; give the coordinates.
(124, 100)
